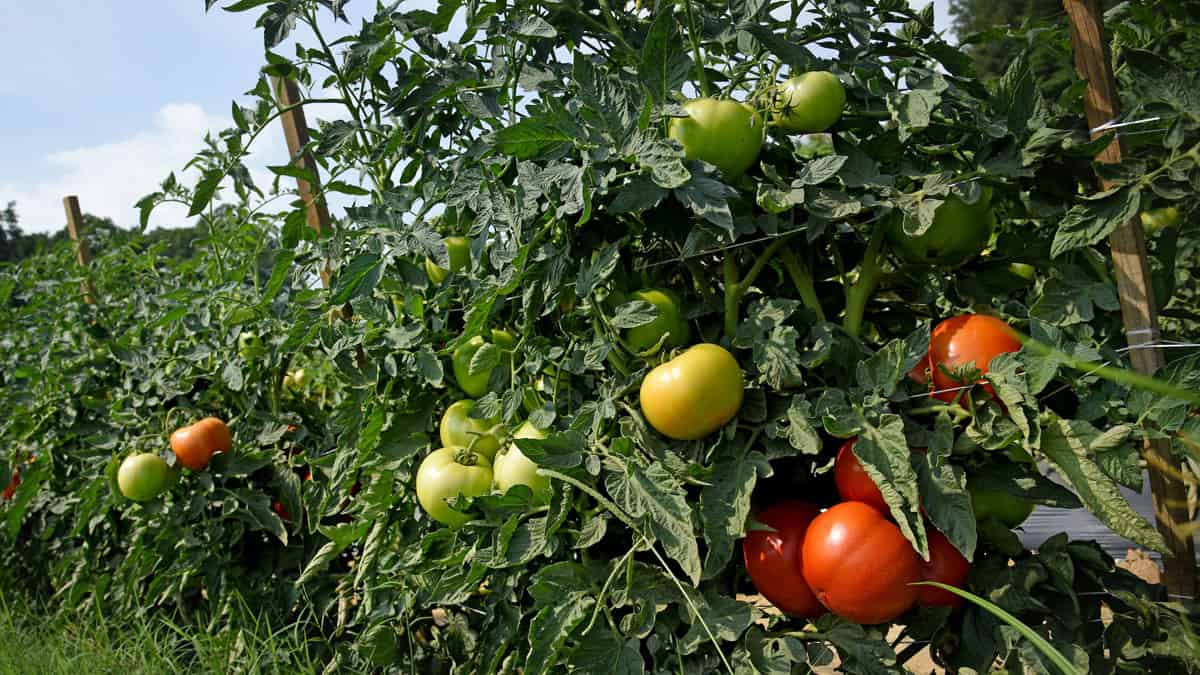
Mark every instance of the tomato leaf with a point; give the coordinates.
(945, 499)
(883, 452)
(654, 497)
(725, 505)
(634, 313)
(359, 277)
(1071, 444)
(1087, 223)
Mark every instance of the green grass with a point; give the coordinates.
(54, 643)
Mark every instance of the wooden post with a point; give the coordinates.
(1092, 60)
(295, 130)
(82, 252)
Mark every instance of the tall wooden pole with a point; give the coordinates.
(1092, 60)
(295, 130)
(83, 253)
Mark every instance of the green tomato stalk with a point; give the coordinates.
(869, 272)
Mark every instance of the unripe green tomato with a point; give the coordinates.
(250, 346)
(725, 133)
(1023, 270)
(1008, 509)
(459, 250)
(1158, 219)
(447, 473)
(693, 394)
(459, 430)
(512, 467)
(959, 232)
(477, 385)
(299, 378)
(669, 320)
(142, 477)
(810, 103)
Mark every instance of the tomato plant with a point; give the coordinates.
(195, 444)
(459, 430)
(693, 394)
(727, 134)
(772, 558)
(810, 102)
(448, 473)
(860, 565)
(542, 134)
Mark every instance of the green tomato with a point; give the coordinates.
(477, 385)
(641, 338)
(809, 103)
(725, 133)
(1158, 219)
(512, 467)
(459, 430)
(299, 378)
(1010, 510)
(959, 232)
(142, 477)
(250, 346)
(447, 473)
(459, 250)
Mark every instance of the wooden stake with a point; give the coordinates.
(295, 130)
(1092, 60)
(82, 252)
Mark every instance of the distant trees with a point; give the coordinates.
(16, 244)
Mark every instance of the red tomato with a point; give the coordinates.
(11, 490)
(853, 483)
(859, 564)
(968, 339)
(918, 374)
(773, 558)
(946, 565)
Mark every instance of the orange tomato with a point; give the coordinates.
(195, 445)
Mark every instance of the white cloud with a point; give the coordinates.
(109, 178)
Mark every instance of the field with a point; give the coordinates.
(662, 337)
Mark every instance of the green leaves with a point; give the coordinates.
(1071, 444)
(655, 498)
(1087, 223)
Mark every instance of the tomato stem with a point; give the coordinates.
(734, 289)
(803, 281)
(691, 19)
(1121, 376)
(857, 294)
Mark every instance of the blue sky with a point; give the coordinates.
(102, 98)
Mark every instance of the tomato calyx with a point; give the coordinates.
(466, 457)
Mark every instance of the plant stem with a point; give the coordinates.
(691, 19)
(1122, 376)
(732, 295)
(869, 271)
(803, 280)
(734, 289)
